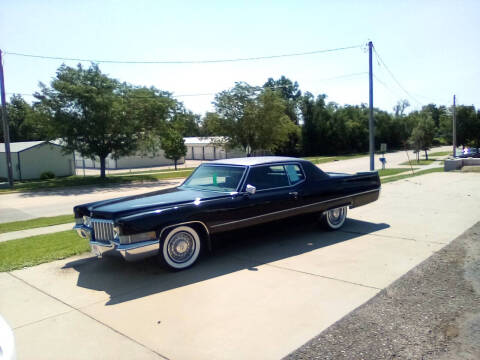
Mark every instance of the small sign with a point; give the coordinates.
(383, 147)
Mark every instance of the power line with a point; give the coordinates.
(44, 57)
(394, 93)
(394, 78)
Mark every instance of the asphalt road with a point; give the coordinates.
(29, 205)
(432, 312)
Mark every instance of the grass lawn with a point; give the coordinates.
(418, 173)
(35, 185)
(440, 153)
(35, 223)
(326, 159)
(152, 172)
(421, 162)
(393, 171)
(16, 254)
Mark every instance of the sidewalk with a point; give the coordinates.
(33, 232)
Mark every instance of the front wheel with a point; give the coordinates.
(333, 219)
(180, 248)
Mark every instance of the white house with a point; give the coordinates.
(32, 158)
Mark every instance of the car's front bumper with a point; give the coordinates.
(129, 252)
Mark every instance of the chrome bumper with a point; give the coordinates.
(130, 252)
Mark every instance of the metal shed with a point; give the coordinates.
(209, 148)
(32, 158)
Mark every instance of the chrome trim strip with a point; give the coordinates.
(292, 209)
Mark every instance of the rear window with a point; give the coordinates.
(295, 174)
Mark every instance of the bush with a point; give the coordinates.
(47, 175)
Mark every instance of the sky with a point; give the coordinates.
(432, 48)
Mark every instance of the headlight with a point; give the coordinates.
(87, 221)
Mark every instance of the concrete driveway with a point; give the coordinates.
(263, 293)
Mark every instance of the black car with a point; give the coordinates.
(219, 196)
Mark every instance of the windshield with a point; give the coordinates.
(222, 178)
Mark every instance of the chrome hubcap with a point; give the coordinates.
(181, 247)
(335, 216)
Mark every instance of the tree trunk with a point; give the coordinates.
(426, 155)
(175, 162)
(102, 167)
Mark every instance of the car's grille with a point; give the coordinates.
(103, 229)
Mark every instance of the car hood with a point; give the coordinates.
(119, 207)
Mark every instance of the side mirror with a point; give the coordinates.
(251, 189)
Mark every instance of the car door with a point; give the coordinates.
(278, 191)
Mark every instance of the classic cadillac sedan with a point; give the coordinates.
(176, 224)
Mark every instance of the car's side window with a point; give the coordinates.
(268, 177)
(295, 174)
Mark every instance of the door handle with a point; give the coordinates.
(294, 194)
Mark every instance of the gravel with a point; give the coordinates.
(432, 312)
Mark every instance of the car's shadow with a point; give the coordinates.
(234, 251)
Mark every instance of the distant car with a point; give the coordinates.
(467, 152)
(220, 196)
(7, 341)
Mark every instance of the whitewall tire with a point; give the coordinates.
(334, 219)
(180, 248)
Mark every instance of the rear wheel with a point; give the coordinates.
(180, 248)
(333, 219)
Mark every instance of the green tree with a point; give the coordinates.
(173, 145)
(97, 115)
(466, 118)
(212, 125)
(423, 134)
(253, 118)
(186, 122)
(291, 95)
(315, 129)
(22, 121)
(400, 107)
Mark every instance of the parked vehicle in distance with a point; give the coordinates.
(176, 224)
(467, 152)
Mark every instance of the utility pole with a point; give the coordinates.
(6, 131)
(454, 128)
(371, 125)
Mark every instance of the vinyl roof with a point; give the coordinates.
(254, 160)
